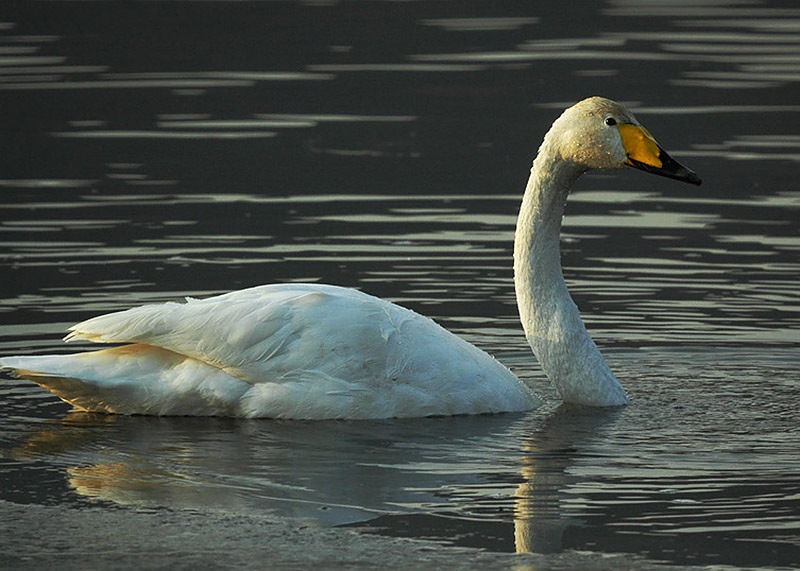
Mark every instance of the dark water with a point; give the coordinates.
(153, 150)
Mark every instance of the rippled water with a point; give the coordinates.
(161, 149)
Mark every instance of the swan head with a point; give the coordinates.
(598, 133)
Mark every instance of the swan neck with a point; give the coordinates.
(537, 251)
(550, 318)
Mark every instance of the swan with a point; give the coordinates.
(313, 351)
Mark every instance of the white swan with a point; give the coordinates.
(309, 351)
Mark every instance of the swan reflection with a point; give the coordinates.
(474, 471)
(540, 520)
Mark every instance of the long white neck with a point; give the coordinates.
(551, 321)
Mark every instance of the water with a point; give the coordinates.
(162, 149)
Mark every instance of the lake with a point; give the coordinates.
(155, 150)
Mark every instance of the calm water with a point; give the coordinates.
(159, 149)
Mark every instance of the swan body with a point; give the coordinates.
(311, 351)
(305, 351)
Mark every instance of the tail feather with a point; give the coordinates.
(134, 379)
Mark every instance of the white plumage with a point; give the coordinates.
(309, 351)
(281, 351)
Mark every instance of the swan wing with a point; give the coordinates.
(238, 332)
(316, 351)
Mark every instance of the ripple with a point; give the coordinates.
(524, 56)
(394, 67)
(503, 24)
(175, 81)
(123, 134)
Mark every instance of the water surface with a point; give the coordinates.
(161, 149)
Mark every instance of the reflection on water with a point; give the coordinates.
(676, 475)
(385, 146)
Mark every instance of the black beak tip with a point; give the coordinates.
(673, 169)
(692, 178)
(670, 169)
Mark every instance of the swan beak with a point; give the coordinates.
(646, 154)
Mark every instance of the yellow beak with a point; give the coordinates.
(646, 154)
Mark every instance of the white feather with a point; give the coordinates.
(282, 351)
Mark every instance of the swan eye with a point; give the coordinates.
(610, 121)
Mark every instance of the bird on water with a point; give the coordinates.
(313, 351)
